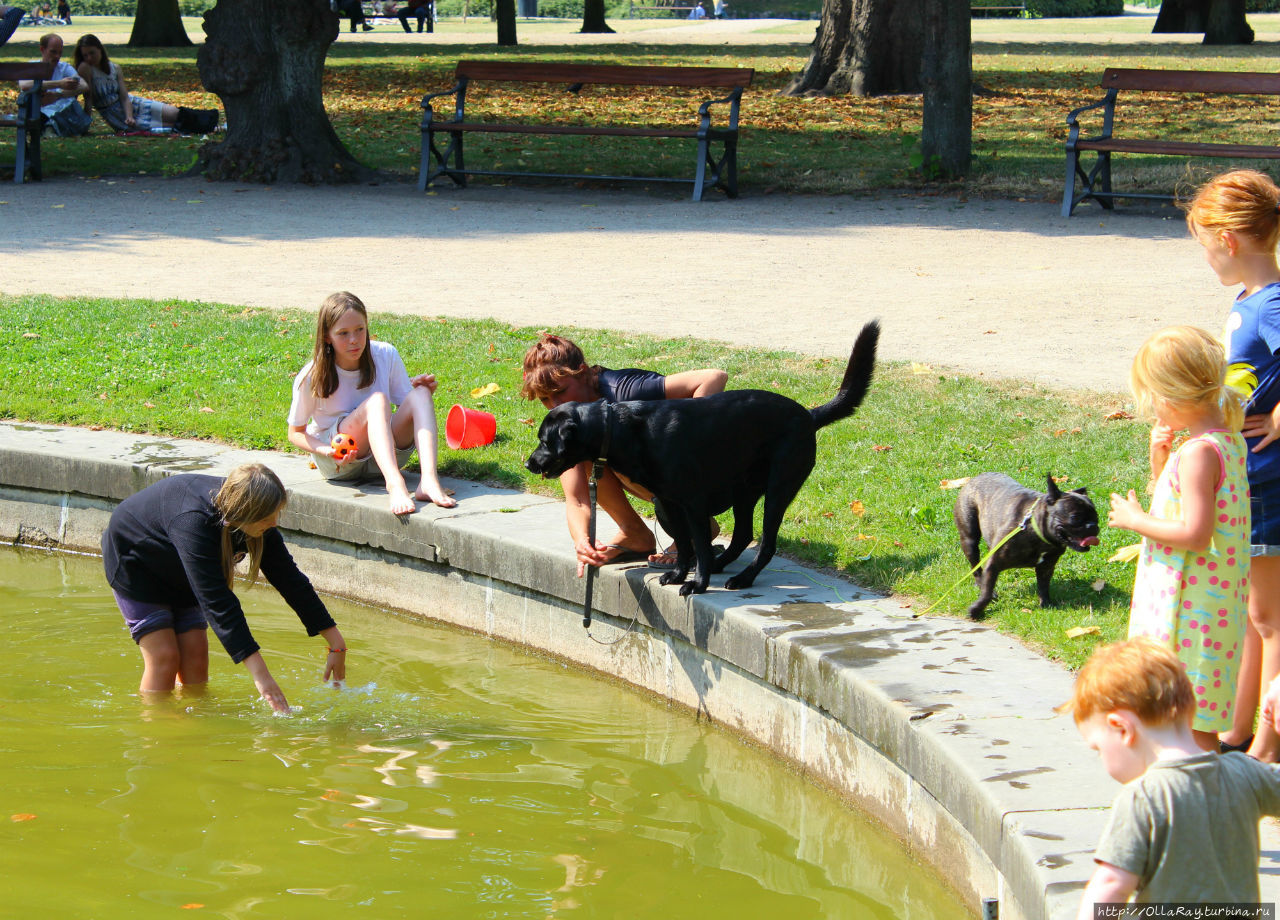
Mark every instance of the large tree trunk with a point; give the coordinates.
(505, 12)
(865, 47)
(1222, 21)
(265, 60)
(158, 24)
(593, 17)
(946, 71)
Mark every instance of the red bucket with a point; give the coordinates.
(469, 428)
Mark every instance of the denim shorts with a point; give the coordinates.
(357, 470)
(144, 617)
(1264, 510)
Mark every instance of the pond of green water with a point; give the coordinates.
(453, 777)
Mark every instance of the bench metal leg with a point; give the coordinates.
(33, 154)
(704, 155)
(731, 167)
(1069, 188)
(20, 159)
(427, 173)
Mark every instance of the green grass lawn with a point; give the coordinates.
(874, 509)
(1030, 73)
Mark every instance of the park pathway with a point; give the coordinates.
(997, 288)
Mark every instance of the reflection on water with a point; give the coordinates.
(451, 777)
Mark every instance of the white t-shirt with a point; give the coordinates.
(61, 71)
(318, 415)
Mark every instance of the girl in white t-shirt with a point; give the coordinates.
(349, 387)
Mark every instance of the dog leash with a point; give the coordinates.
(596, 468)
(1027, 521)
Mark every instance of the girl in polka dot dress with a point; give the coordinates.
(1192, 583)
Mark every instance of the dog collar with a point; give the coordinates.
(603, 456)
(1030, 521)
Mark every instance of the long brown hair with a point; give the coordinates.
(324, 372)
(90, 39)
(250, 493)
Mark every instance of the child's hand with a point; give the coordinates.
(335, 666)
(1125, 511)
(1162, 437)
(425, 380)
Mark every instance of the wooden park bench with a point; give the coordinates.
(708, 169)
(27, 123)
(1096, 182)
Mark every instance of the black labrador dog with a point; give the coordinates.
(701, 457)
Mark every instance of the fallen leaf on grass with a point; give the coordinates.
(828, 514)
(31, 335)
(917, 368)
(525, 421)
(1118, 416)
(487, 390)
(206, 410)
(1076, 632)
(857, 508)
(1098, 585)
(954, 483)
(1127, 553)
(148, 405)
(881, 447)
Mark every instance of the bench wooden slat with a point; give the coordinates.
(25, 70)
(1191, 81)
(1180, 148)
(585, 130)
(612, 74)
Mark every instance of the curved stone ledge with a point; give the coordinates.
(941, 729)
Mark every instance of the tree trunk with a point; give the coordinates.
(1226, 24)
(158, 24)
(946, 71)
(1222, 21)
(506, 13)
(265, 60)
(866, 48)
(593, 17)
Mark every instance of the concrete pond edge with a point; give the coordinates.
(941, 729)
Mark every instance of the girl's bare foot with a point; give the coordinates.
(402, 503)
(436, 495)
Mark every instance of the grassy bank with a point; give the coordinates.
(1029, 74)
(874, 509)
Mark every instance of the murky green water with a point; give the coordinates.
(454, 778)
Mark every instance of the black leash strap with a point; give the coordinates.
(596, 467)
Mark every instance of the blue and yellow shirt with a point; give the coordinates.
(1252, 339)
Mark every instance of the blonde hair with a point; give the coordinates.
(1184, 366)
(324, 372)
(1139, 675)
(1244, 201)
(250, 493)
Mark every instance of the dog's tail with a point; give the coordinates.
(857, 377)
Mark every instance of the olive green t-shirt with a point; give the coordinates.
(1188, 828)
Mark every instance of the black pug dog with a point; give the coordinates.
(991, 505)
(701, 457)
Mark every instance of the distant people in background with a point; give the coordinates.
(388, 8)
(124, 112)
(58, 105)
(698, 12)
(424, 10)
(720, 9)
(10, 16)
(354, 11)
(64, 12)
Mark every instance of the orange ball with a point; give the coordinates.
(343, 444)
